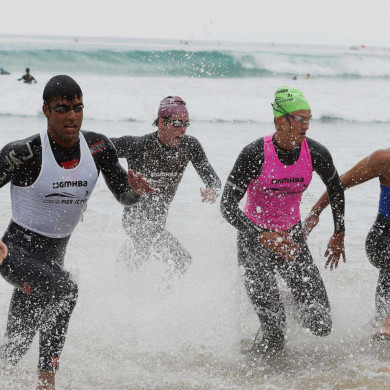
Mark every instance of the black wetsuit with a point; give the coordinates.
(164, 166)
(27, 79)
(378, 253)
(302, 275)
(45, 294)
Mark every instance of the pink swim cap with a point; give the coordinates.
(172, 105)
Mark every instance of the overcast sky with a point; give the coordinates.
(347, 22)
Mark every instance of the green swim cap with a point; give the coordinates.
(288, 100)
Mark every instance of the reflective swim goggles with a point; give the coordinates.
(64, 108)
(300, 119)
(178, 123)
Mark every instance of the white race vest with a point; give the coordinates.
(53, 205)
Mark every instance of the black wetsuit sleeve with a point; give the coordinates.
(106, 160)
(323, 165)
(203, 167)
(248, 166)
(20, 161)
(124, 146)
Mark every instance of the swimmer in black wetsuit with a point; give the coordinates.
(52, 175)
(274, 171)
(162, 157)
(27, 78)
(377, 165)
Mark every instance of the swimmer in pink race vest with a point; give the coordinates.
(274, 171)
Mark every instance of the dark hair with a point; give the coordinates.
(27, 70)
(165, 118)
(61, 86)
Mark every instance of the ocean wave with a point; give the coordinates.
(202, 63)
(220, 85)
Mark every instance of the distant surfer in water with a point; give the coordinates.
(162, 156)
(376, 165)
(3, 71)
(52, 175)
(274, 171)
(28, 78)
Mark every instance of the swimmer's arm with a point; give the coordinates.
(6, 168)
(117, 181)
(106, 160)
(122, 145)
(323, 165)
(230, 210)
(249, 165)
(20, 161)
(3, 251)
(375, 165)
(203, 166)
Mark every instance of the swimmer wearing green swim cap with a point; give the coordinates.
(273, 172)
(288, 100)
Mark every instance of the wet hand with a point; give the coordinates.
(335, 250)
(139, 184)
(208, 195)
(310, 223)
(3, 252)
(280, 243)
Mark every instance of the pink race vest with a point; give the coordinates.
(274, 197)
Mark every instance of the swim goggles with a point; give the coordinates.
(178, 123)
(64, 108)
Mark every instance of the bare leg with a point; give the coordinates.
(46, 380)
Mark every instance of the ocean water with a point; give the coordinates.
(140, 331)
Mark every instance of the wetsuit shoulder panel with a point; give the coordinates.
(125, 145)
(320, 155)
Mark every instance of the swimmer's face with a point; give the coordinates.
(169, 132)
(293, 128)
(64, 128)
